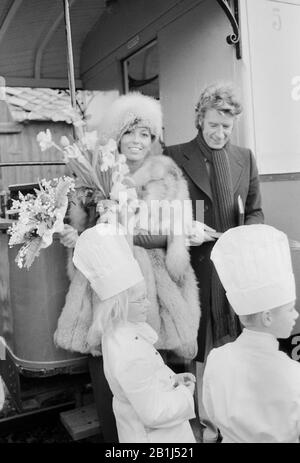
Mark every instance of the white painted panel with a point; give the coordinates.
(193, 53)
(274, 38)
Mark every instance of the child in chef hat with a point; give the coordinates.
(150, 402)
(251, 389)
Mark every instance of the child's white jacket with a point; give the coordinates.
(147, 406)
(251, 390)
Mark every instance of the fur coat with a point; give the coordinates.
(171, 283)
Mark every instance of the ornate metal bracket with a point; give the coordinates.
(233, 16)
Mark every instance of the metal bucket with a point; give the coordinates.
(37, 297)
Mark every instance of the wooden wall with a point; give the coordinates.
(24, 147)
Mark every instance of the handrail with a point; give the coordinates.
(32, 163)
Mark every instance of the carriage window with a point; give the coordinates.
(141, 71)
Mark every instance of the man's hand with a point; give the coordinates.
(69, 236)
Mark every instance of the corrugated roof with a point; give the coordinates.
(43, 104)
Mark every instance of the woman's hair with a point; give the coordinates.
(219, 96)
(138, 123)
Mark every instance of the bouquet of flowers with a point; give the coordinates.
(96, 165)
(98, 169)
(40, 216)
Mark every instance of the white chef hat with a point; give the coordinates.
(103, 255)
(254, 265)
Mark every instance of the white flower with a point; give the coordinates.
(109, 149)
(122, 159)
(108, 152)
(44, 139)
(72, 152)
(117, 188)
(39, 217)
(90, 140)
(112, 145)
(116, 177)
(42, 228)
(123, 169)
(47, 238)
(108, 160)
(64, 141)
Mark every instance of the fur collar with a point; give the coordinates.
(156, 167)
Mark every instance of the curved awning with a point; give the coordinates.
(33, 50)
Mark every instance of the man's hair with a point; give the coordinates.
(219, 96)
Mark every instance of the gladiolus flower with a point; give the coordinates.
(45, 140)
(64, 141)
(90, 140)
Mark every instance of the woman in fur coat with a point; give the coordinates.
(135, 122)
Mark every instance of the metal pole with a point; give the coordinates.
(71, 75)
(78, 131)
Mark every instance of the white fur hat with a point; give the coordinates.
(103, 255)
(129, 109)
(254, 265)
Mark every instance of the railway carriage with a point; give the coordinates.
(168, 50)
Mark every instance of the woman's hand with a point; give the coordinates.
(186, 379)
(69, 236)
(183, 378)
(201, 233)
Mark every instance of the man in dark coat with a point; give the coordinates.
(224, 188)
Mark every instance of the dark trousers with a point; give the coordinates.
(103, 398)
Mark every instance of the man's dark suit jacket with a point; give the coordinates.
(245, 184)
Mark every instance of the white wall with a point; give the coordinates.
(193, 53)
(274, 68)
(192, 47)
